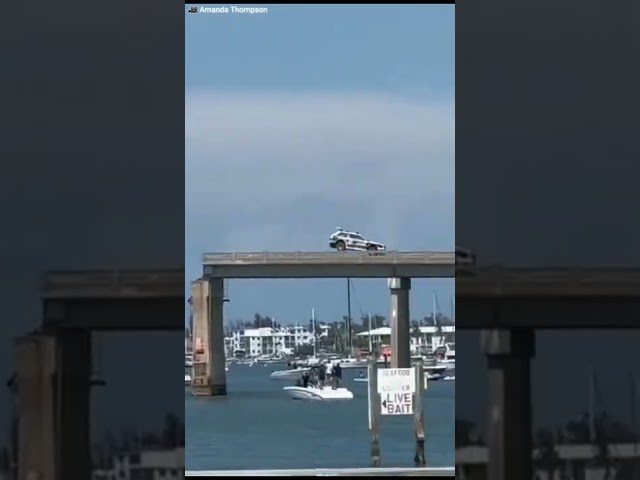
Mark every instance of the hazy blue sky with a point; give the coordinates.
(312, 117)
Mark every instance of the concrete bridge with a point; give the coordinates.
(54, 363)
(507, 304)
(53, 393)
(207, 293)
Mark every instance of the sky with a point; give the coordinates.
(313, 117)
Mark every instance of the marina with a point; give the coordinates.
(281, 433)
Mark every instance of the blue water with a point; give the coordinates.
(257, 426)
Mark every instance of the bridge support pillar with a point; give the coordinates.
(35, 373)
(53, 373)
(400, 322)
(509, 354)
(73, 417)
(209, 376)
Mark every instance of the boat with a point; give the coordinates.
(349, 363)
(449, 375)
(437, 371)
(317, 393)
(295, 373)
(187, 379)
(290, 374)
(361, 380)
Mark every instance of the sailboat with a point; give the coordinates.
(295, 373)
(349, 362)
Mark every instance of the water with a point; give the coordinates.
(257, 426)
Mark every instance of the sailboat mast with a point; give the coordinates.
(435, 308)
(313, 328)
(349, 340)
(436, 323)
(452, 309)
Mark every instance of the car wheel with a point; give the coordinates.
(340, 246)
(372, 248)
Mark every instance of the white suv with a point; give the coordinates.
(343, 240)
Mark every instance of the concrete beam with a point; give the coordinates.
(509, 355)
(116, 314)
(329, 265)
(207, 300)
(400, 322)
(329, 271)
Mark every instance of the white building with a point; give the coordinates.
(255, 342)
(427, 341)
(145, 465)
(573, 461)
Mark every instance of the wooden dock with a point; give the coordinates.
(329, 472)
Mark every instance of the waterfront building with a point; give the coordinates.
(144, 465)
(423, 341)
(255, 342)
(574, 461)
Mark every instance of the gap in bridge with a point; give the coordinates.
(291, 300)
(560, 377)
(137, 368)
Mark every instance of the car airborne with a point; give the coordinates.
(343, 240)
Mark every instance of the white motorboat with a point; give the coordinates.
(291, 374)
(317, 393)
(361, 380)
(349, 363)
(187, 379)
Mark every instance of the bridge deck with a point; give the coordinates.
(329, 258)
(121, 284)
(549, 283)
(329, 472)
(329, 264)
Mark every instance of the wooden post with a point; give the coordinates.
(418, 417)
(374, 412)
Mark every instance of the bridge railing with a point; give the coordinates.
(125, 282)
(391, 257)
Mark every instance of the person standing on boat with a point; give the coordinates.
(337, 374)
(305, 379)
(328, 370)
(322, 376)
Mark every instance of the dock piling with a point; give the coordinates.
(418, 417)
(374, 412)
